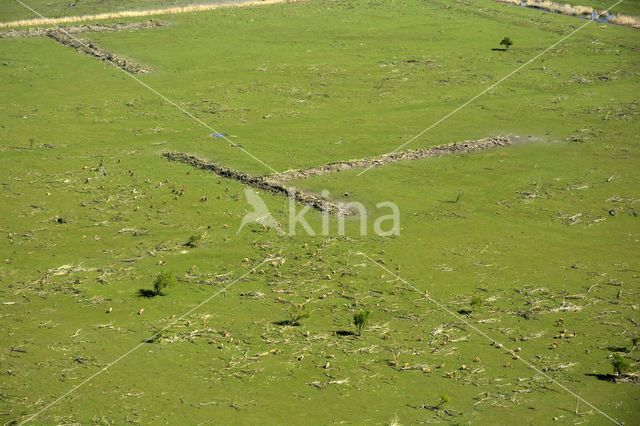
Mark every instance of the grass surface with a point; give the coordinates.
(539, 252)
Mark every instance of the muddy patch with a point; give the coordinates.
(77, 29)
(408, 155)
(89, 48)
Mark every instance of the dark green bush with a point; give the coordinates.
(620, 365)
(360, 320)
(163, 281)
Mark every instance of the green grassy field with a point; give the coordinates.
(13, 10)
(539, 252)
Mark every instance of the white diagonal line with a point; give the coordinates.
(483, 334)
(495, 84)
(144, 342)
(163, 97)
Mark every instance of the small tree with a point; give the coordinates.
(360, 320)
(163, 280)
(506, 42)
(620, 365)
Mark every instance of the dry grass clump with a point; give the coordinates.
(627, 20)
(576, 10)
(137, 13)
(563, 8)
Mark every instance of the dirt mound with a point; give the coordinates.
(313, 200)
(91, 28)
(91, 49)
(412, 154)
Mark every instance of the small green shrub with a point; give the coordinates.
(163, 281)
(296, 314)
(444, 399)
(620, 365)
(360, 320)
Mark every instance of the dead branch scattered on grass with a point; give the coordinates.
(91, 28)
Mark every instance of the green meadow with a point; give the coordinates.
(512, 286)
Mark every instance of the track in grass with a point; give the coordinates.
(407, 155)
(258, 182)
(275, 183)
(66, 37)
(91, 49)
(77, 29)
